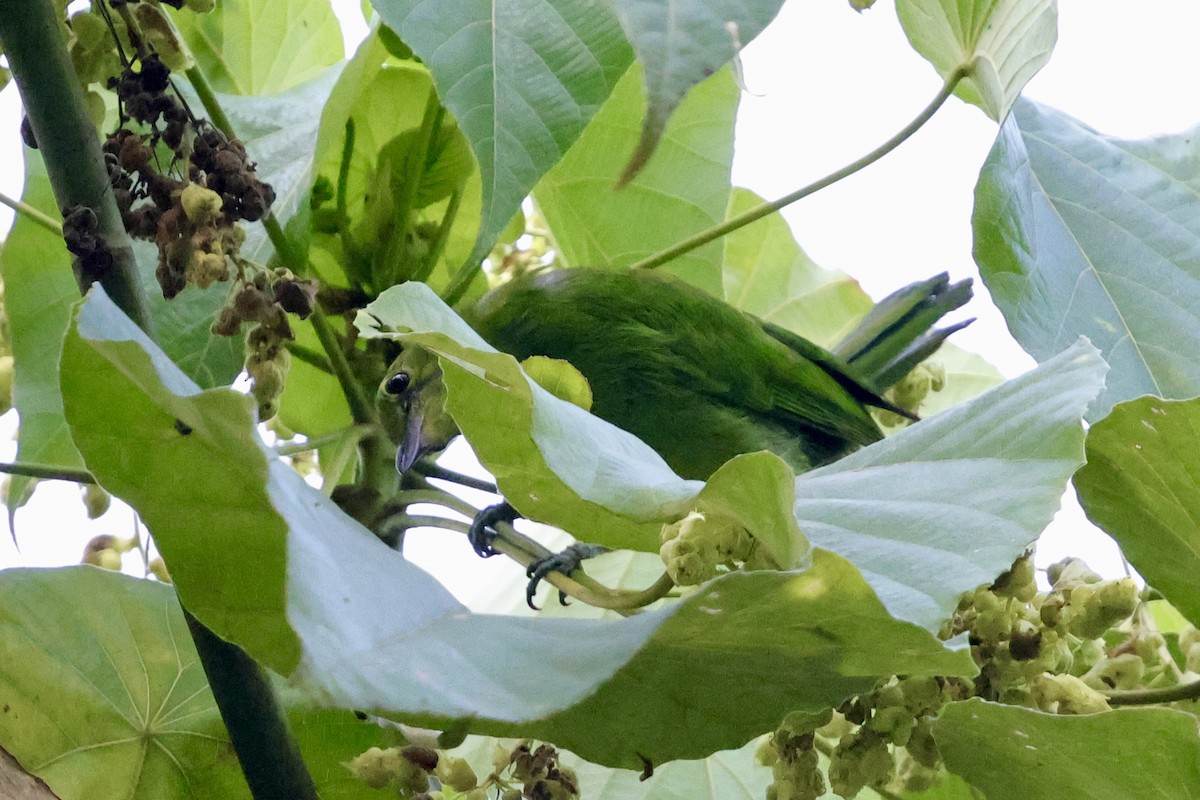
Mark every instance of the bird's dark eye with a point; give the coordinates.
(397, 384)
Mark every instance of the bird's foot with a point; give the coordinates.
(483, 528)
(565, 562)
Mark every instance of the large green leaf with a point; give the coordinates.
(683, 191)
(104, 696)
(303, 586)
(251, 48)
(679, 43)
(171, 423)
(947, 504)
(1003, 42)
(523, 78)
(1006, 751)
(1079, 233)
(38, 288)
(725, 775)
(1142, 485)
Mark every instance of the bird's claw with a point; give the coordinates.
(483, 528)
(565, 562)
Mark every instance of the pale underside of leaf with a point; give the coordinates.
(1079, 233)
(948, 503)
(1001, 44)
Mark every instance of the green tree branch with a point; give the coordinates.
(54, 105)
(50, 91)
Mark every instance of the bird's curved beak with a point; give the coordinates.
(411, 448)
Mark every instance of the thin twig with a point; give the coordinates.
(34, 215)
(1147, 697)
(309, 356)
(294, 448)
(432, 470)
(765, 209)
(47, 472)
(435, 496)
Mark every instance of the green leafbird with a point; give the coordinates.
(693, 377)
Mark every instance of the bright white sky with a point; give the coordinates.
(829, 85)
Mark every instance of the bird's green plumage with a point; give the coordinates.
(700, 381)
(693, 377)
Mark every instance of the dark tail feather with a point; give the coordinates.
(899, 331)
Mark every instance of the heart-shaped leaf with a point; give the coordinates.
(683, 191)
(105, 697)
(249, 48)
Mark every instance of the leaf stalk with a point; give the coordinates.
(35, 215)
(47, 472)
(770, 207)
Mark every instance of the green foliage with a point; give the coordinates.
(678, 45)
(1077, 233)
(37, 286)
(104, 696)
(199, 429)
(1000, 461)
(852, 610)
(1139, 486)
(522, 80)
(1053, 756)
(682, 191)
(1001, 44)
(766, 274)
(248, 48)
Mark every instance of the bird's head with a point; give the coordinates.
(412, 406)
